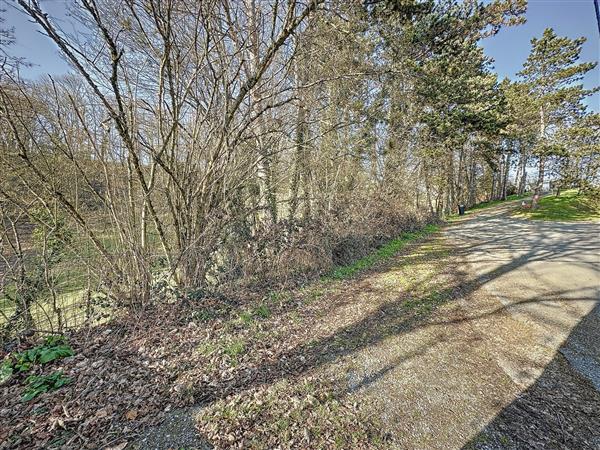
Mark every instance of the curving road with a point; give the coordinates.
(546, 274)
(546, 277)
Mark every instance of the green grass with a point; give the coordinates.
(483, 205)
(382, 253)
(204, 315)
(235, 349)
(207, 348)
(246, 318)
(497, 202)
(569, 206)
(260, 312)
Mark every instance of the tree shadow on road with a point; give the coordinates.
(409, 310)
(561, 409)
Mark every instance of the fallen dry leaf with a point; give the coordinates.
(131, 414)
(101, 413)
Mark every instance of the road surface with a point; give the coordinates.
(513, 360)
(546, 274)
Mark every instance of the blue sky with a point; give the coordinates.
(31, 45)
(572, 18)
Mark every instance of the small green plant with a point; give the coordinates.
(504, 440)
(38, 384)
(55, 347)
(246, 318)
(263, 312)
(274, 297)
(204, 315)
(6, 371)
(260, 312)
(206, 348)
(279, 297)
(234, 350)
(196, 295)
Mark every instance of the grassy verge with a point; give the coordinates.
(382, 253)
(568, 206)
(483, 205)
(302, 356)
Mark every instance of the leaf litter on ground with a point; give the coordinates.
(127, 375)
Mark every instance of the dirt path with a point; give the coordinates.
(486, 369)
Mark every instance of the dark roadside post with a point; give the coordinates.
(461, 210)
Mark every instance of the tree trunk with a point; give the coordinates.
(472, 183)
(505, 176)
(451, 197)
(522, 174)
(460, 185)
(494, 188)
(267, 198)
(541, 167)
(298, 166)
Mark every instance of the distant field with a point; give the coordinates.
(568, 206)
(73, 307)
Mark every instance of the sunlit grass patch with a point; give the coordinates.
(382, 253)
(568, 206)
(207, 348)
(246, 318)
(262, 312)
(234, 350)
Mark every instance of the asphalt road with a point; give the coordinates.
(547, 276)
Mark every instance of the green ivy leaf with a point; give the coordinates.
(37, 384)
